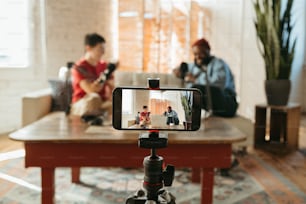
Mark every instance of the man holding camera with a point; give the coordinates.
(172, 117)
(215, 80)
(93, 81)
(213, 77)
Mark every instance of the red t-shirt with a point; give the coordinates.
(83, 70)
(145, 116)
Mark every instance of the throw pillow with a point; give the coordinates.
(61, 94)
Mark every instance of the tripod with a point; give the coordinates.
(155, 177)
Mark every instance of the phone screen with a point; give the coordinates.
(160, 109)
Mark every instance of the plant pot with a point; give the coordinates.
(277, 91)
(187, 125)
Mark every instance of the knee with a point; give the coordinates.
(93, 103)
(93, 99)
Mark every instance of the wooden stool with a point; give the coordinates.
(283, 127)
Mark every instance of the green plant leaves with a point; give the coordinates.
(273, 30)
(186, 100)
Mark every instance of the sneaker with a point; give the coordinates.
(92, 119)
(97, 121)
(225, 171)
(87, 118)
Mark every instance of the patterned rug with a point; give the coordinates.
(113, 185)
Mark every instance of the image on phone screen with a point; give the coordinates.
(161, 109)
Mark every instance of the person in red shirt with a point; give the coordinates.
(144, 117)
(92, 82)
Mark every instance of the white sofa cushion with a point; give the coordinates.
(35, 105)
(123, 78)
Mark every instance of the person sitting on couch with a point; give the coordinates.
(92, 80)
(145, 119)
(213, 77)
(172, 117)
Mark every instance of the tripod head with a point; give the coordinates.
(153, 140)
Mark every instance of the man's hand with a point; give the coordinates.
(189, 78)
(177, 72)
(91, 87)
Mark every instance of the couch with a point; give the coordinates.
(39, 103)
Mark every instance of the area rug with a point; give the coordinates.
(113, 185)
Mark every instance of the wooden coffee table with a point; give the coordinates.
(60, 141)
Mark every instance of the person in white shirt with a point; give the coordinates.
(172, 117)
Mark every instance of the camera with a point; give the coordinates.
(111, 67)
(183, 70)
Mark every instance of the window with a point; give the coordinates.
(158, 104)
(14, 34)
(127, 105)
(156, 35)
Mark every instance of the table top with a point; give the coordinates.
(288, 106)
(57, 127)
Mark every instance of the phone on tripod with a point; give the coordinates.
(165, 109)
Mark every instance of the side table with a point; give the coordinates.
(281, 129)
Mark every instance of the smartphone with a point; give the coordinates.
(170, 109)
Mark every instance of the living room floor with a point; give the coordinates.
(291, 164)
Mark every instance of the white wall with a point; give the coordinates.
(252, 73)
(303, 25)
(298, 76)
(15, 82)
(232, 37)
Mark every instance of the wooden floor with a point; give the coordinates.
(8, 145)
(292, 165)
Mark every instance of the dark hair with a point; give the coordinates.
(92, 39)
(144, 107)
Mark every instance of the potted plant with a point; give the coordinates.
(186, 100)
(273, 29)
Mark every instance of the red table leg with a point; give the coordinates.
(207, 183)
(75, 174)
(47, 185)
(195, 175)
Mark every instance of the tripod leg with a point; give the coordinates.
(166, 197)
